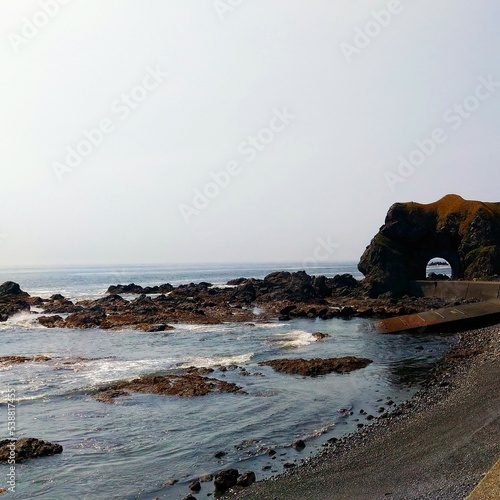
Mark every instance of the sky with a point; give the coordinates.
(183, 131)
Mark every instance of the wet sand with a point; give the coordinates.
(438, 445)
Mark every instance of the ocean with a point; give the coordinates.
(131, 448)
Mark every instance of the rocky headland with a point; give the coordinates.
(464, 232)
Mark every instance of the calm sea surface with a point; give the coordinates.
(129, 449)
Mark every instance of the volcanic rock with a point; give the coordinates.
(12, 289)
(28, 448)
(187, 385)
(246, 479)
(317, 366)
(226, 479)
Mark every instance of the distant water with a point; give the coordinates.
(129, 449)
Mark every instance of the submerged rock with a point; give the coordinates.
(187, 385)
(25, 448)
(317, 366)
(15, 360)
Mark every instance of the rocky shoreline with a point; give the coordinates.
(459, 398)
(281, 295)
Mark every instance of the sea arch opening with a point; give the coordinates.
(440, 268)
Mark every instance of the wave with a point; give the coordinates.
(23, 319)
(201, 362)
(108, 370)
(319, 432)
(296, 338)
(26, 398)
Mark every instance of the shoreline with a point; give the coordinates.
(439, 444)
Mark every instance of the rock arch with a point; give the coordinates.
(466, 233)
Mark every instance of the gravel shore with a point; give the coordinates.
(437, 445)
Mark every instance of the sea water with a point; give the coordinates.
(129, 449)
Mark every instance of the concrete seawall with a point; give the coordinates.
(481, 290)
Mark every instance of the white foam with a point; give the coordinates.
(108, 370)
(296, 338)
(23, 319)
(26, 398)
(201, 362)
(320, 432)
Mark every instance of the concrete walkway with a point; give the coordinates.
(439, 319)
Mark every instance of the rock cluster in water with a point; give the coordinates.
(282, 295)
(189, 384)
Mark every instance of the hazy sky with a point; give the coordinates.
(305, 113)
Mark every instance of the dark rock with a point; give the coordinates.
(153, 328)
(284, 285)
(51, 321)
(90, 318)
(347, 311)
(57, 296)
(12, 300)
(195, 486)
(287, 310)
(317, 366)
(28, 448)
(344, 281)
(219, 454)
(58, 304)
(299, 445)
(246, 479)
(226, 479)
(13, 289)
(187, 385)
(237, 281)
(289, 465)
(465, 233)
